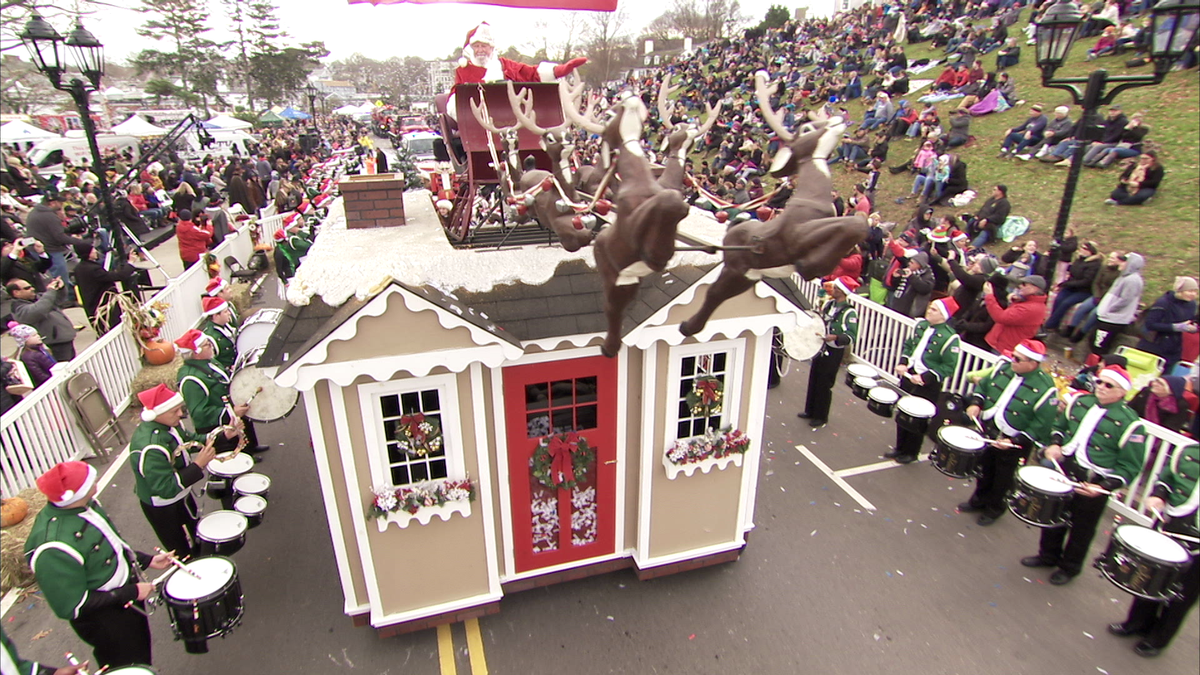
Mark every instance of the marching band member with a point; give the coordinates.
(11, 662)
(1099, 442)
(86, 570)
(928, 357)
(220, 288)
(1177, 493)
(162, 473)
(841, 320)
(219, 326)
(1018, 402)
(204, 385)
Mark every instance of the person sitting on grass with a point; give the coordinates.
(1107, 44)
(990, 217)
(1139, 182)
(1129, 145)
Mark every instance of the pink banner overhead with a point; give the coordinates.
(582, 5)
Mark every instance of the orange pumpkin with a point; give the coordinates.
(158, 353)
(13, 511)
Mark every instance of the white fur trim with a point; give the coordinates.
(1116, 378)
(838, 282)
(148, 415)
(545, 71)
(217, 310)
(1029, 353)
(72, 495)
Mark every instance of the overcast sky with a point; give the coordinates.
(428, 31)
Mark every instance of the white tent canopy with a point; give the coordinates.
(347, 109)
(227, 122)
(17, 131)
(136, 126)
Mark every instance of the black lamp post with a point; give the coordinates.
(311, 92)
(1173, 25)
(45, 47)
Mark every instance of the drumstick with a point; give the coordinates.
(251, 399)
(75, 662)
(139, 610)
(175, 561)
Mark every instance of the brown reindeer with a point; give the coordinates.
(806, 237)
(642, 238)
(588, 177)
(679, 137)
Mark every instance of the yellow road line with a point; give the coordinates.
(446, 650)
(475, 648)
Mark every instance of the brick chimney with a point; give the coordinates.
(375, 200)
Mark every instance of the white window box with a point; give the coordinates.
(403, 519)
(704, 465)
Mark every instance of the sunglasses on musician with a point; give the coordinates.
(1106, 385)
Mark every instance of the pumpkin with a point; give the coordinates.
(13, 511)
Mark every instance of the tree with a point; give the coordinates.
(235, 11)
(282, 72)
(184, 23)
(160, 88)
(609, 46)
(698, 19)
(777, 15)
(23, 89)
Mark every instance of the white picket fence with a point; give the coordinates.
(881, 336)
(40, 430)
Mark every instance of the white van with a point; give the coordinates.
(48, 155)
(227, 142)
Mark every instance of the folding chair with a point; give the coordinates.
(94, 413)
(1142, 366)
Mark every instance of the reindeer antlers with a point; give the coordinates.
(485, 119)
(771, 117)
(664, 107)
(526, 116)
(570, 96)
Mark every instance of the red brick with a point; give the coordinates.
(389, 222)
(397, 213)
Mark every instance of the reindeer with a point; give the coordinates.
(642, 238)
(587, 177)
(509, 170)
(679, 137)
(554, 140)
(806, 237)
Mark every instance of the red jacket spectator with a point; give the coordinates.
(949, 76)
(850, 266)
(1019, 321)
(193, 240)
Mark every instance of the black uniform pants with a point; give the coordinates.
(997, 470)
(821, 376)
(118, 636)
(175, 525)
(1160, 621)
(1085, 515)
(908, 443)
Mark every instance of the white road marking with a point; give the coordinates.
(835, 478)
(872, 468)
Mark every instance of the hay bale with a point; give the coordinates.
(239, 295)
(14, 568)
(152, 376)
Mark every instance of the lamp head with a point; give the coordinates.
(1057, 29)
(1173, 25)
(42, 41)
(88, 53)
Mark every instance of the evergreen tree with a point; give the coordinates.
(183, 23)
(235, 10)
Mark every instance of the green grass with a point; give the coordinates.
(1166, 230)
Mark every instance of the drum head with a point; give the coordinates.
(249, 358)
(225, 466)
(252, 484)
(213, 572)
(861, 370)
(268, 401)
(805, 340)
(250, 505)
(221, 526)
(866, 382)
(1046, 480)
(882, 394)
(1152, 543)
(917, 406)
(961, 438)
(256, 331)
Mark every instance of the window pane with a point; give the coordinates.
(685, 386)
(437, 468)
(430, 401)
(688, 367)
(697, 427)
(419, 471)
(537, 396)
(683, 429)
(562, 393)
(400, 475)
(410, 403)
(585, 390)
(395, 455)
(585, 417)
(684, 411)
(562, 421)
(389, 406)
(718, 362)
(537, 424)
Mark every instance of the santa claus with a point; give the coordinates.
(479, 63)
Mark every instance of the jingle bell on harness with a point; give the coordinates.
(528, 201)
(722, 216)
(547, 183)
(563, 206)
(603, 206)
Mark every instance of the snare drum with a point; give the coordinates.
(1041, 497)
(253, 507)
(859, 370)
(256, 331)
(881, 400)
(913, 414)
(222, 533)
(205, 606)
(957, 451)
(251, 484)
(861, 385)
(1143, 562)
(224, 469)
(250, 384)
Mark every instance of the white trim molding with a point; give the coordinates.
(704, 465)
(369, 396)
(403, 519)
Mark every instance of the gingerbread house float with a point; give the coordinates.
(461, 411)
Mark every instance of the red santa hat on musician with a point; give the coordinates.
(213, 306)
(947, 306)
(215, 286)
(1116, 375)
(846, 285)
(67, 482)
(1031, 349)
(157, 401)
(192, 342)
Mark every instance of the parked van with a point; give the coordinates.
(228, 142)
(48, 155)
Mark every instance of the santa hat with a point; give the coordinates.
(941, 233)
(481, 33)
(958, 235)
(215, 286)
(67, 482)
(290, 219)
(947, 306)
(1031, 349)
(157, 401)
(1118, 376)
(280, 234)
(192, 340)
(213, 306)
(846, 284)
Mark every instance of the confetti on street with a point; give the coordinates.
(813, 533)
(1089, 635)
(962, 535)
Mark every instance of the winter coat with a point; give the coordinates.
(193, 241)
(1082, 273)
(912, 294)
(995, 212)
(28, 267)
(969, 285)
(93, 280)
(1019, 321)
(850, 266)
(50, 322)
(1105, 277)
(1175, 421)
(973, 324)
(44, 224)
(1161, 326)
(38, 363)
(1119, 305)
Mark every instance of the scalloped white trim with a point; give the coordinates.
(729, 328)
(403, 519)
(704, 465)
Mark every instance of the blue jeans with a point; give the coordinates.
(58, 268)
(1066, 149)
(872, 122)
(1115, 154)
(1063, 304)
(1084, 319)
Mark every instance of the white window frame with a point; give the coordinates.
(730, 407)
(369, 396)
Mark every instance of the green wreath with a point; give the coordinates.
(704, 400)
(561, 461)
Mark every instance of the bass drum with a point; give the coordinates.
(205, 604)
(805, 340)
(256, 330)
(268, 401)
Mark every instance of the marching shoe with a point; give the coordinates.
(803, 415)
(967, 507)
(891, 454)
(906, 459)
(1037, 561)
(1121, 630)
(817, 424)
(985, 520)
(1146, 649)
(1061, 578)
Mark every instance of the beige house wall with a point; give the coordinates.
(337, 480)
(398, 330)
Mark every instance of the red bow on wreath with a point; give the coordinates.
(561, 457)
(708, 390)
(413, 422)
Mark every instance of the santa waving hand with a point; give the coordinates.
(479, 63)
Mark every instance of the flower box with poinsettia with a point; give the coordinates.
(421, 502)
(714, 449)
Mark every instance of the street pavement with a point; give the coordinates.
(826, 585)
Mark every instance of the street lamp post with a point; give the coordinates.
(311, 92)
(45, 46)
(1173, 25)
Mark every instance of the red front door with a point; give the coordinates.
(555, 526)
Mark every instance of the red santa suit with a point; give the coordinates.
(497, 68)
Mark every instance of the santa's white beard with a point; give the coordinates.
(490, 64)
